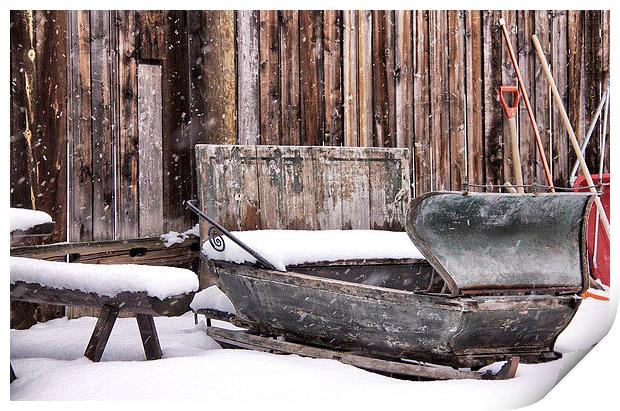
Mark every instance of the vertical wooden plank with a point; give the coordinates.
(102, 145)
(271, 187)
(404, 79)
(248, 88)
(605, 77)
(421, 115)
(474, 105)
(289, 77)
(456, 98)
(559, 57)
(355, 189)
(150, 149)
(364, 78)
(151, 36)
(312, 79)
(384, 125)
(509, 78)
(576, 94)
(127, 171)
(79, 128)
(327, 188)
(592, 66)
(177, 150)
(299, 211)
(332, 57)
(542, 94)
(440, 108)
(269, 77)
(350, 70)
(492, 55)
(527, 64)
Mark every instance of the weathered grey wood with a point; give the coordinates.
(245, 340)
(364, 77)
(250, 187)
(350, 69)
(148, 334)
(247, 77)
(136, 302)
(150, 150)
(101, 333)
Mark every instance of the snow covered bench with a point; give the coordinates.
(143, 290)
(25, 222)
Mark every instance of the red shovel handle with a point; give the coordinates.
(511, 111)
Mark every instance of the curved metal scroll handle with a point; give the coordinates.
(217, 242)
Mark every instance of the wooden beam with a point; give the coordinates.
(148, 334)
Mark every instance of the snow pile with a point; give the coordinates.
(290, 247)
(174, 237)
(214, 299)
(23, 218)
(156, 281)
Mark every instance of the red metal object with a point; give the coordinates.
(599, 257)
(511, 111)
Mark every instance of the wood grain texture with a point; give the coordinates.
(404, 78)
(576, 77)
(332, 57)
(151, 34)
(456, 99)
(422, 106)
(150, 136)
(289, 78)
(269, 77)
(350, 39)
(384, 97)
(509, 77)
(364, 77)
(474, 97)
(527, 64)
(312, 77)
(559, 55)
(542, 96)
(248, 89)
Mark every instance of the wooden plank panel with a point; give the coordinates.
(127, 171)
(576, 94)
(350, 70)
(527, 64)
(364, 78)
(150, 149)
(355, 189)
(492, 55)
(177, 171)
(298, 185)
(474, 106)
(248, 88)
(384, 97)
(312, 79)
(103, 144)
(509, 78)
(404, 78)
(151, 36)
(421, 115)
(440, 108)
(559, 57)
(389, 188)
(269, 77)
(592, 65)
(332, 56)
(328, 188)
(79, 128)
(605, 78)
(271, 187)
(456, 98)
(219, 76)
(289, 77)
(542, 94)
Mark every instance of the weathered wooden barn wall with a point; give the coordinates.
(81, 95)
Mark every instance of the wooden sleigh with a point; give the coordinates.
(504, 292)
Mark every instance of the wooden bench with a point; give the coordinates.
(149, 251)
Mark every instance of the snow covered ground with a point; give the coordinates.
(48, 360)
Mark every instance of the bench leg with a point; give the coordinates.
(148, 333)
(101, 333)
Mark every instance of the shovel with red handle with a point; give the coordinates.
(511, 113)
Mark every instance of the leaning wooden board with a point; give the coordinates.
(291, 187)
